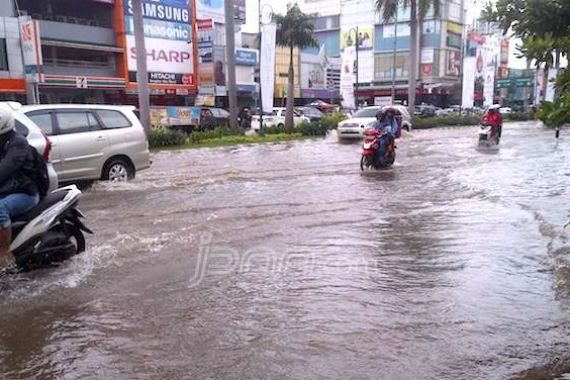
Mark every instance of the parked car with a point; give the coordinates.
(277, 118)
(92, 142)
(311, 112)
(35, 137)
(426, 110)
(365, 118)
(506, 110)
(445, 112)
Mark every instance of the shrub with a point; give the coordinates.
(161, 137)
(555, 114)
(452, 120)
(274, 130)
(311, 129)
(518, 116)
(198, 137)
(331, 122)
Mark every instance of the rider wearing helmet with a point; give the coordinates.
(386, 121)
(18, 190)
(493, 118)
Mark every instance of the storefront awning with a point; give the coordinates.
(74, 45)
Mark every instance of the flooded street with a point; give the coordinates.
(285, 261)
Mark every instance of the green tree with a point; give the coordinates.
(418, 12)
(295, 29)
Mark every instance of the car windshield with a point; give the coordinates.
(367, 112)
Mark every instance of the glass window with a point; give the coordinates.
(367, 112)
(42, 120)
(383, 64)
(113, 119)
(21, 128)
(3, 55)
(75, 121)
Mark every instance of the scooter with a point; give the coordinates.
(370, 146)
(486, 136)
(51, 232)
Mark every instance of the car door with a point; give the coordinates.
(82, 143)
(44, 120)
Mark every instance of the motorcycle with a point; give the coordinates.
(372, 140)
(51, 232)
(487, 136)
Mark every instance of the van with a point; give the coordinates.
(92, 142)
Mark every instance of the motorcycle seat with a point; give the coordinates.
(50, 200)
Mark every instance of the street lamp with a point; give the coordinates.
(355, 30)
(394, 56)
(268, 11)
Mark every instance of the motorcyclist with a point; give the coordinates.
(18, 190)
(493, 118)
(386, 121)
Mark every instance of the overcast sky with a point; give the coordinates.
(280, 6)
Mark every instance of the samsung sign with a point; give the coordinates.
(246, 57)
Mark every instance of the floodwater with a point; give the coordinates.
(284, 261)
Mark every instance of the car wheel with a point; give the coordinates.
(118, 170)
(280, 125)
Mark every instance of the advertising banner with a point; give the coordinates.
(550, 85)
(427, 56)
(32, 52)
(347, 77)
(468, 95)
(205, 31)
(489, 89)
(365, 37)
(211, 9)
(267, 65)
(453, 67)
(168, 40)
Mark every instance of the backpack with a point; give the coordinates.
(40, 173)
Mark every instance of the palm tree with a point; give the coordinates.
(418, 11)
(294, 29)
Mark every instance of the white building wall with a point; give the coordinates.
(10, 32)
(320, 7)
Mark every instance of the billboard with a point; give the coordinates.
(211, 9)
(246, 57)
(363, 34)
(168, 36)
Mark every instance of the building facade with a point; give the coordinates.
(384, 47)
(86, 53)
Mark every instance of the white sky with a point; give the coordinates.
(280, 6)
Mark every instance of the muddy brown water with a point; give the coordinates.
(284, 261)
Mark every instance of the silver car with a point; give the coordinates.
(92, 142)
(35, 137)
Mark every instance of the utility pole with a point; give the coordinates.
(142, 73)
(259, 40)
(394, 57)
(230, 56)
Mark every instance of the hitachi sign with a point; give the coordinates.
(164, 55)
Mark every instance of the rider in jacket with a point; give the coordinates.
(386, 120)
(18, 190)
(493, 118)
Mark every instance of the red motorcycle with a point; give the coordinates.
(373, 139)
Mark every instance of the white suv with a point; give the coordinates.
(91, 142)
